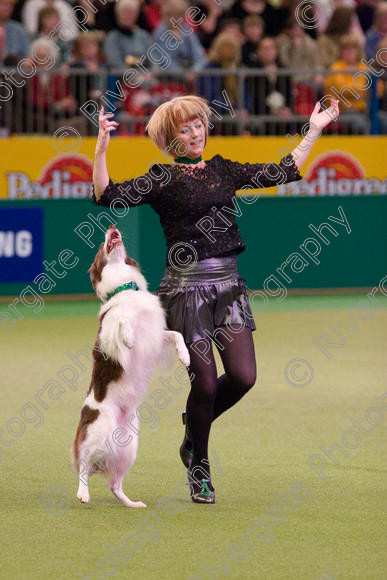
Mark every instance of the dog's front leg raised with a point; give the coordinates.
(127, 332)
(181, 349)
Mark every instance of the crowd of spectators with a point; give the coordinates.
(324, 44)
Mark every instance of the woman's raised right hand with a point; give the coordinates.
(105, 127)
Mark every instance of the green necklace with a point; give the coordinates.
(188, 160)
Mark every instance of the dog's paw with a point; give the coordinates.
(83, 496)
(137, 504)
(184, 357)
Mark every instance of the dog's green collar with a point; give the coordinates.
(127, 286)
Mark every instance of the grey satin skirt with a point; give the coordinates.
(209, 295)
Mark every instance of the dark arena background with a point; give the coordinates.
(299, 464)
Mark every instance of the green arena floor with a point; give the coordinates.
(280, 512)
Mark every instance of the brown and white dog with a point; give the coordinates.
(131, 340)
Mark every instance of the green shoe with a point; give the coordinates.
(201, 491)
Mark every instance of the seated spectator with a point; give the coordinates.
(227, 4)
(48, 101)
(270, 94)
(328, 43)
(100, 14)
(31, 9)
(253, 30)
(151, 15)
(88, 51)
(232, 27)
(128, 41)
(16, 37)
(308, 15)
(365, 11)
(353, 100)
(10, 121)
(5, 105)
(382, 93)
(7, 109)
(183, 48)
(325, 8)
(274, 17)
(242, 8)
(88, 55)
(209, 28)
(225, 53)
(299, 51)
(3, 40)
(48, 18)
(144, 100)
(378, 31)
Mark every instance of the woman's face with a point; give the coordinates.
(127, 16)
(382, 25)
(296, 31)
(227, 51)
(6, 9)
(267, 51)
(350, 54)
(89, 49)
(254, 32)
(49, 22)
(193, 135)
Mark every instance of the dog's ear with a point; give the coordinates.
(97, 266)
(132, 262)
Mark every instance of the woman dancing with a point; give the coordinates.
(205, 299)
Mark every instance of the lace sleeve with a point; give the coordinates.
(138, 191)
(262, 174)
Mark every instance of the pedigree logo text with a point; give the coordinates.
(61, 178)
(335, 173)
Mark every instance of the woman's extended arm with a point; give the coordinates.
(100, 172)
(318, 121)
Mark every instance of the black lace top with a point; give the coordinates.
(197, 206)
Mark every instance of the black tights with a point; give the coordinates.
(210, 396)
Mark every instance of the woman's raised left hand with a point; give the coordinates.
(320, 119)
